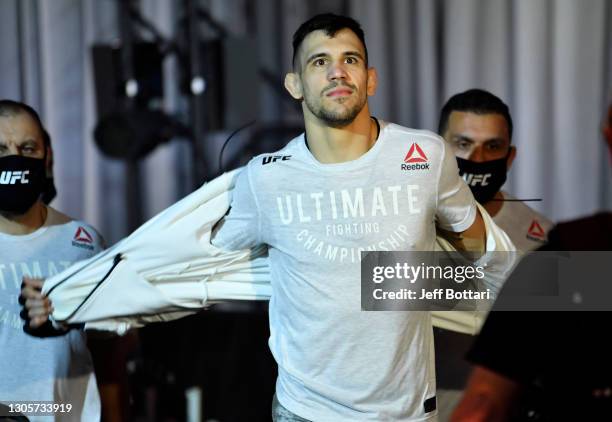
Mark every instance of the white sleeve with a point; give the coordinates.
(499, 260)
(240, 228)
(456, 208)
(165, 269)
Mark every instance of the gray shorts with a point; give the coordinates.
(280, 414)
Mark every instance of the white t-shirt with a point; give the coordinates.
(55, 369)
(337, 363)
(527, 229)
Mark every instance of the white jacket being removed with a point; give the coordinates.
(168, 269)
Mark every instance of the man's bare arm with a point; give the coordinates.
(110, 356)
(473, 239)
(488, 397)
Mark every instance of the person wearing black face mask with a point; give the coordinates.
(478, 126)
(39, 241)
(23, 170)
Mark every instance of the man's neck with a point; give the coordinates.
(26, 223)
(493, 206)
(340, 144)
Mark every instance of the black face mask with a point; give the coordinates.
(484, 179)
(22, 180)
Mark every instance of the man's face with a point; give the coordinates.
(332, 77)
(479, 137)
(21, 135)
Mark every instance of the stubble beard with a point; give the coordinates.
(334, 118)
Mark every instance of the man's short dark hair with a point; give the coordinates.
(330, 24)
(12, 108)
(476, 101)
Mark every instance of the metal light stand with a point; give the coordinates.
(133, 185)
(197, 86)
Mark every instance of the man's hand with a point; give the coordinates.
(488, 397)
(36, 307)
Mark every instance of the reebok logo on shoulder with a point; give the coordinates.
(536, 232)
(415, 159)
(274, 158)
(12, 177)
(82, 239)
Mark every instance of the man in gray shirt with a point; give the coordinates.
(37, 242)
(478, 127)
(350, 183)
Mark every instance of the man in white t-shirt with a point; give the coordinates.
(350, 183)
(478, 126)
(36, 241)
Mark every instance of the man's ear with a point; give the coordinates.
(49, 160)
(372, 81)
(293, 84)
(511, 155)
